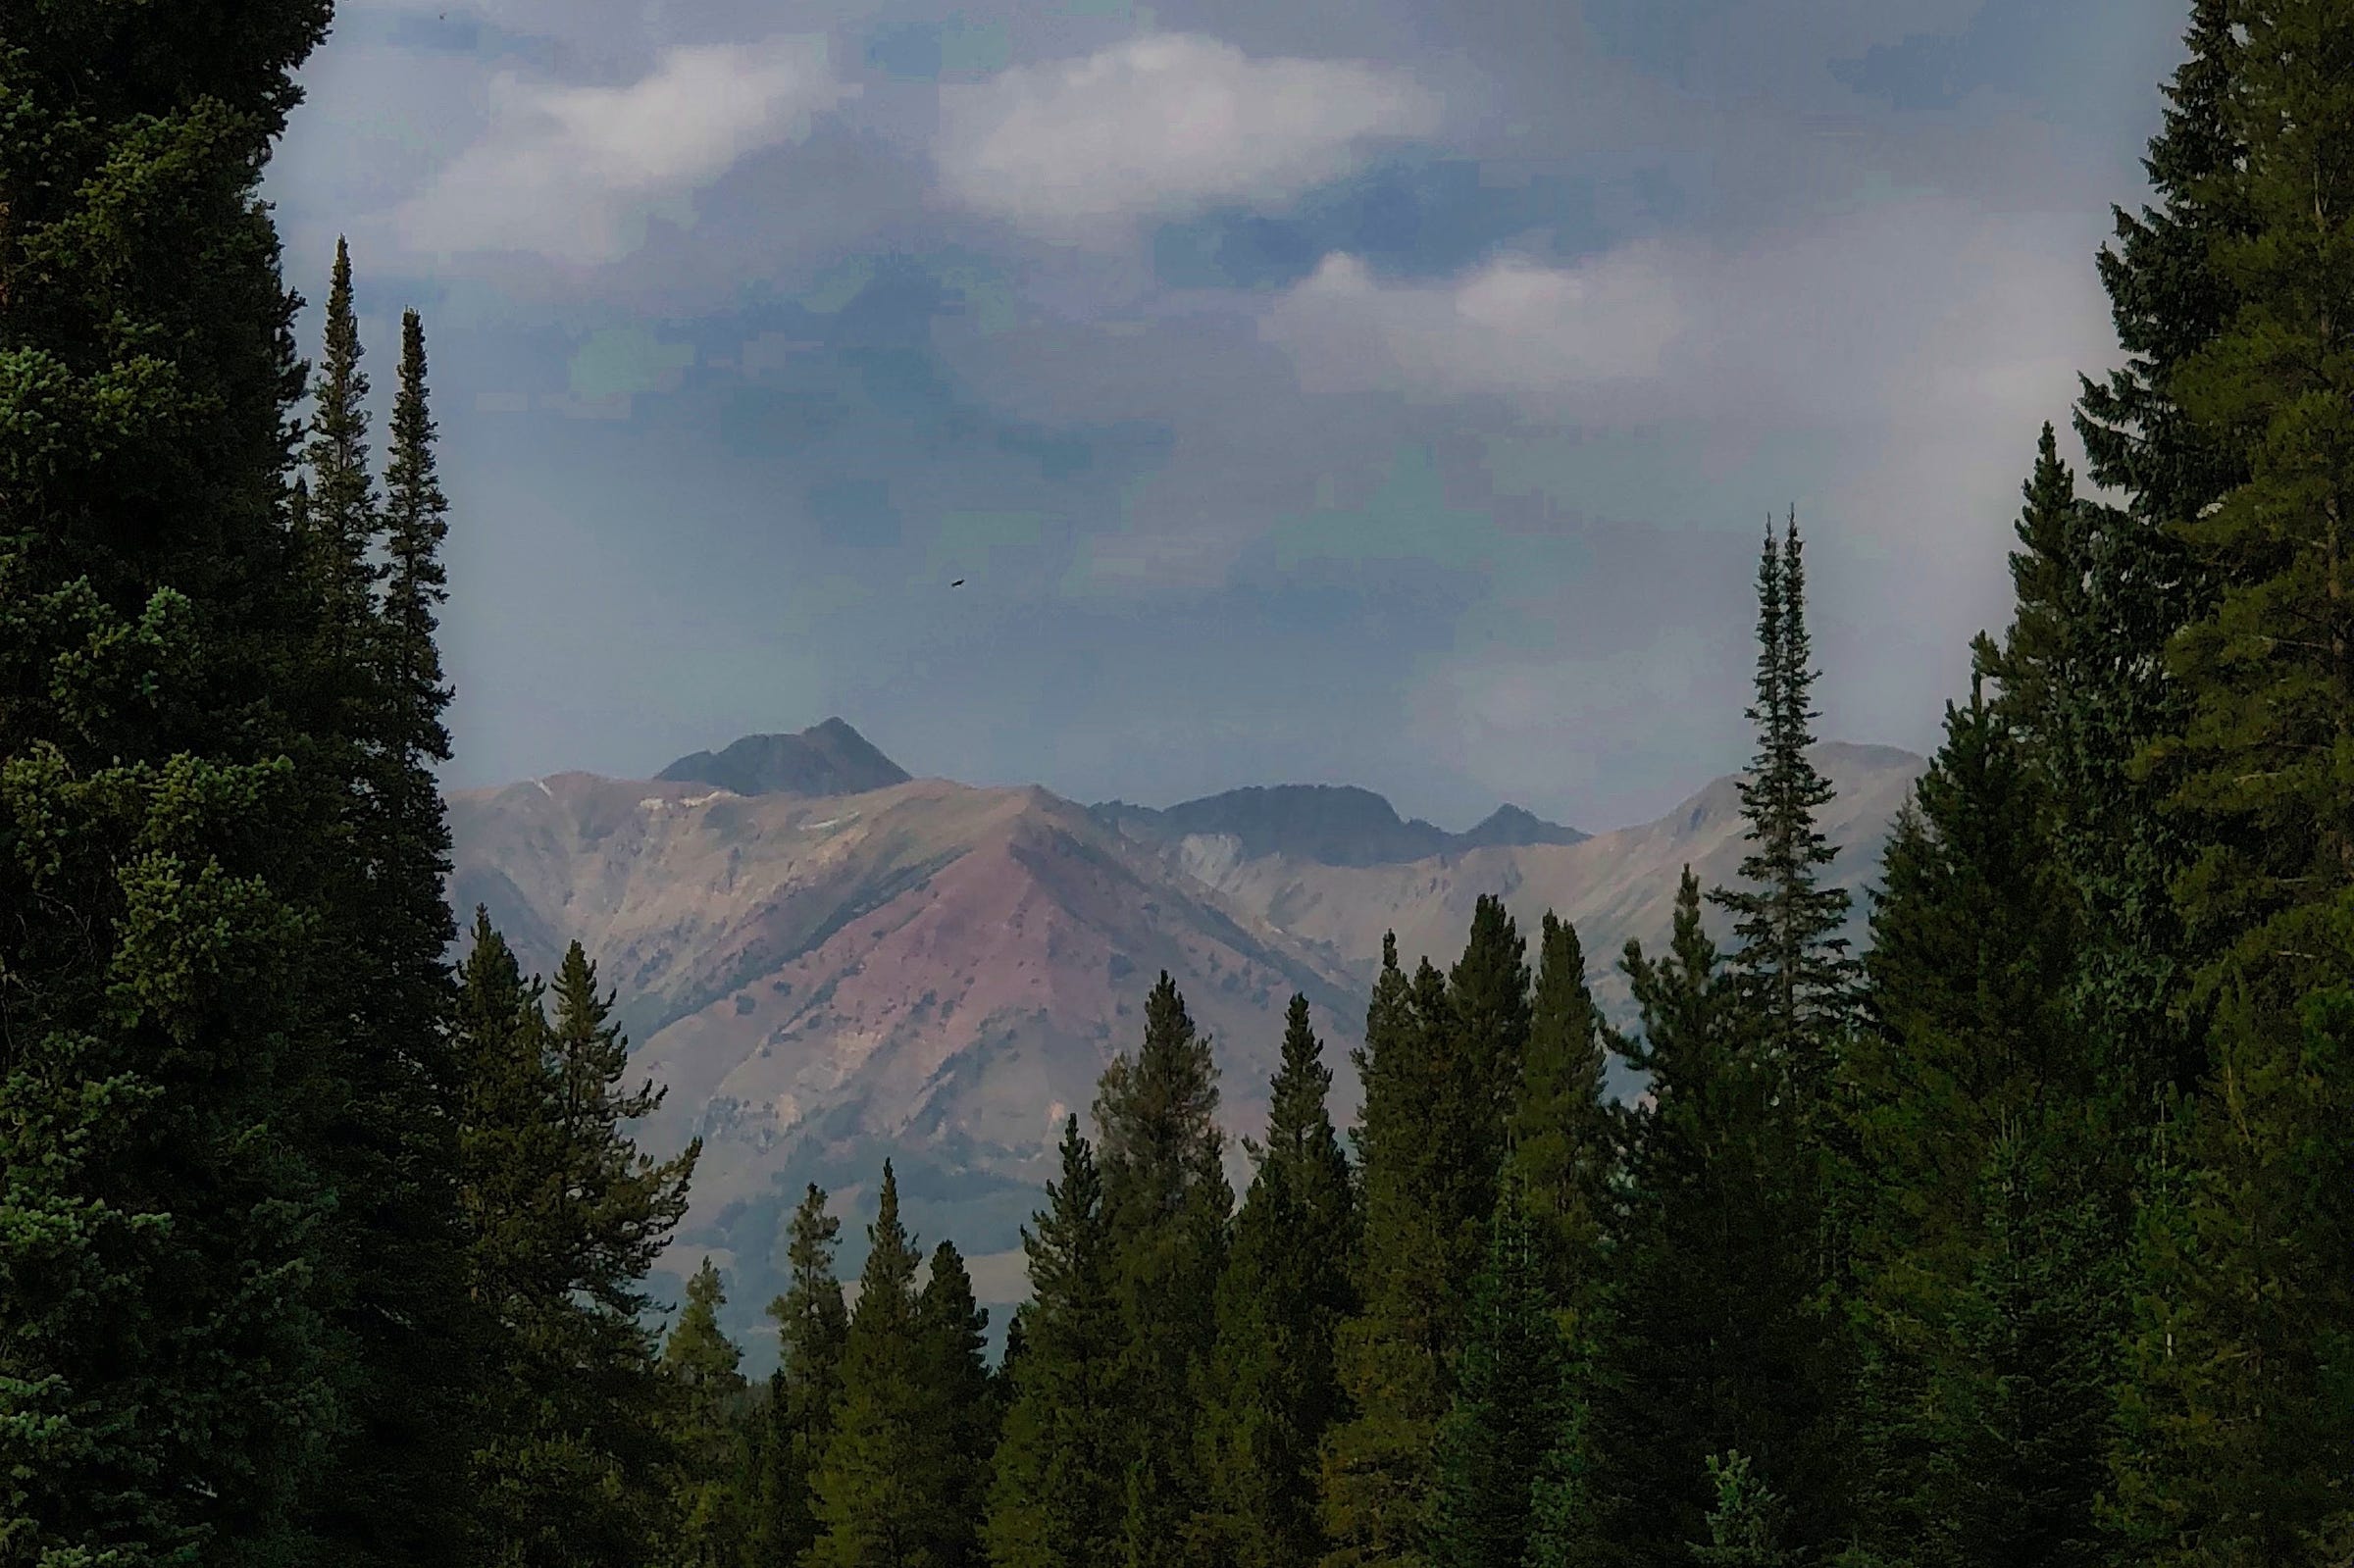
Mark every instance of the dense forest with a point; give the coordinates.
(2024, 1236)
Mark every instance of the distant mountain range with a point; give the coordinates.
(827, 961)
(1326, 825)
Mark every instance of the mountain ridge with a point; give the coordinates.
(937, 972)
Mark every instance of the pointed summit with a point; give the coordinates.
(826, 759)
(1512, 826)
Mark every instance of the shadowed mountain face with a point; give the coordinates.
(939, 972)
(826, 759)
(1327, 824)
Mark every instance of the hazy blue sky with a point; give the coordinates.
(1374, 392)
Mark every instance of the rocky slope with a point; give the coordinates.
(938, 973)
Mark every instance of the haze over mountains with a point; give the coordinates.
(827, 960)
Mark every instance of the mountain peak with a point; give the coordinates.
(1514, 827)
(826, 759)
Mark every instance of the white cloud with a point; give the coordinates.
(1928, 309)
(1512, 328)
(573, 172)
(1162, 124)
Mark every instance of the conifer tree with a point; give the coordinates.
(1791, 965)
(566, 1218)
(881, 1502)
(2169, 299)
(812, 1325)
(1742, 1527)
(959, 1427)
(1377, 1466)
(2238, 1432)
(712, 1511)
(1271, 1393)
(1561, 1130)
(1977, 1144)
(1057, 1492)
(1167, 1202)
(396, 1493)
(1510, 1403)
(1716, 1344)
(1481, 1037)
(167, 1391)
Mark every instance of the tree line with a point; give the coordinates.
(2020, 1237)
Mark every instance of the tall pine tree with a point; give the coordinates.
(1561, 1132)
(566, 1219)
(166, 1005)
(710, 1508)
(1056, 1495)
(1376, 1472)
(1984, 1412)
(1166, 1204)
(806, 1391)
(1271, 1393)
(2239, 1430)
(960, 1421)
(1715, 1342)
(396, 1493)
(880, 1498)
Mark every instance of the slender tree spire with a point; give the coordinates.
(416, 522)
(1792, 963)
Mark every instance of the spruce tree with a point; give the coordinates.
(711, 1513)
(1480, 1039)
(2238, 1435)
(566, 1218)
(960, 1426)
(882, 1501)
(396, 1493)
(1561, 1130)
(167, 1387)
(1791, 964)
(1271, 1392)
(1511, 1400)
(1977, 1136)
(1166, 1204)
(812, 1325)
(1056, 1495)
(1743, 1528)
(1716, 1341)
(1377, 1466)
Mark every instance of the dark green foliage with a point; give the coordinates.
(1375, 1466)
(1271, 1393)
(1511, 1402)
(1478, 1035)
(397, 1493)
(1166, 1204)
(2239, 1410)
(1984, 1253)
(566, 1218)
(169, 1040)
(887, 1494)
(2169, 299)
(1791, 967)
(1561, 1130)
(1715, 1340)
(812, 1325)
(1056, 1496)
(960, 1426)
(2235, 1445)
(711, 1513)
